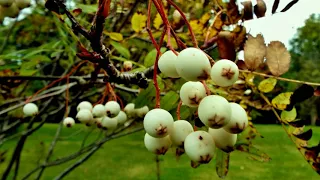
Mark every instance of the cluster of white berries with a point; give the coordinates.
(11, 8)
(108, 116)
(223, 119)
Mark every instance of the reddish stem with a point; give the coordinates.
(208, 92)
(56, 81)
(67, 98)
(178, 110)
(113, 94)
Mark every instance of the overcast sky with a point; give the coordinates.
(283, 26)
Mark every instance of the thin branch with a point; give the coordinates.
(63, 88)
(51, 148)
(281, 78)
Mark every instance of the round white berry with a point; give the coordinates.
(99, 110)
(214, 111)
(84, 116)
(129, 110)
(224, 73)
(68, 122)
(84, 105)
(98, 121)
(6, 3)
(176, 16)
(30, 109)
(167, 63)
(141, 112)
(193, 65)
(158, 123)
(121, 117)
(157, 145)
(223, 140)
(247, 92)
(181, 129)
(21, 4)
(199, 147)
(127, 66)
(112, 108)
(109, 123)
(191, 93)
(238, 121)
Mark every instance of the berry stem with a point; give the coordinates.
(178, 110)
(208, 92)
(67, 97)
(113, 94)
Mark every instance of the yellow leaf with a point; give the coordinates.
(267, 85)
(281, 101)
(197, 27)
(115, 36)
(157, 22)
(289, 115)
(138, 22)
(205, 18)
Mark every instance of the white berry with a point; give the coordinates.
(109, 123)
(129, 110)
(193, 65)
(98, 121)
(127, 66)
(157, 145)
(214, 111)
(21, 4)
(223, 140)
(30, 109)
(112, 108)
(181, 129)
(68, 122)
(176, 16)
(99, 110)
(158, 123)
(224, 73)
(141, 112)
(84, 105)
(84, 116)
(167, 63)
(191, 93)
(199, 147)
(121, 117)
(238, 121)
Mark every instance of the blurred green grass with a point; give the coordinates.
(127, 158)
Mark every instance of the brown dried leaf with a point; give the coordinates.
(278, 58)
(247, 10)
(260, 8)
(254, 51)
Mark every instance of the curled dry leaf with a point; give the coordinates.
(254, 51)
(278, 58)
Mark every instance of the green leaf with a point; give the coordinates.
(222, 163)
(121, 49)
(255, 153)
(146, 97)
(151, 57)
(289, 115)
(267, 85)
(281, 101)
(86, 8)
(169, 101)
(114, 36)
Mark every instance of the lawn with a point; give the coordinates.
(127, 158)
